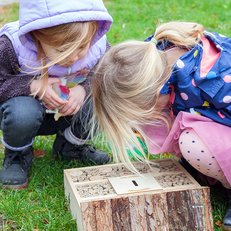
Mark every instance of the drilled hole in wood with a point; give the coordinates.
(134, 182)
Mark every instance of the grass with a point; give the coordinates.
(42, 206)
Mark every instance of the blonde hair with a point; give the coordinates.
(125, 92)
(67, 37)
(181, 34)
(126, 88)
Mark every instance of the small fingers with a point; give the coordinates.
(69, 110)
(76, 110)
(54, 101)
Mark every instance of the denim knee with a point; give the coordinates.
(21, 117)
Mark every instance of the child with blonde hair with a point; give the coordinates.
(175, 90)
(53, 42)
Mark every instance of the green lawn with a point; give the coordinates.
(42, 206)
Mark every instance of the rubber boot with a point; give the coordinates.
(15, 169)
(84, 153)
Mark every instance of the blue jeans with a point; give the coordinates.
(22, 118)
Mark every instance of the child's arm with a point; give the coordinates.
(12, 83)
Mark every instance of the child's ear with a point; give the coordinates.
(174, 54)
(162, 101)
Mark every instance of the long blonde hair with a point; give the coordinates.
(126, 89)
(181, 34)
(67, 37)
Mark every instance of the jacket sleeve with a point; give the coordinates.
(12, 82)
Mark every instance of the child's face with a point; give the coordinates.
(52, 53)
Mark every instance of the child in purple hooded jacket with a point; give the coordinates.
(51, 40)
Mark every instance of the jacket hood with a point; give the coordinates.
(34, 15)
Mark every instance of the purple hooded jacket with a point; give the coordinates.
(40, 14)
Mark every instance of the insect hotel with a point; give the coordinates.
(163, 198)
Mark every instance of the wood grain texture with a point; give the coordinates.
(186, 210)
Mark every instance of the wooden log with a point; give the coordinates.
(185, 210)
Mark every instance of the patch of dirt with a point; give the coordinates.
(1, 222)
(2, 10)
(5, 13)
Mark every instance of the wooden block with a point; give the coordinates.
(178, 203)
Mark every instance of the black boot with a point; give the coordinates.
(84, 153)
(227, 218)
(15, 170)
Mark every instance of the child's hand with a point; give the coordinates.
(76, 97)
(49, 97)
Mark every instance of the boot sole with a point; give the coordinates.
(16, 187)
(226, 228)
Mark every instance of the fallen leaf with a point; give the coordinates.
(218, 223)
(39, 153)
